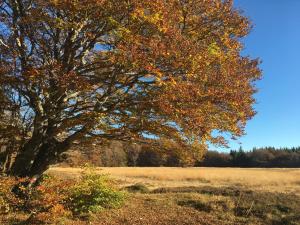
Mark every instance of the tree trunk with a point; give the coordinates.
(36, 156)
(7, 162)
(25, 157)
(7, 155)
(46, 154)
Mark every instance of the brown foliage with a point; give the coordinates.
(43, 204)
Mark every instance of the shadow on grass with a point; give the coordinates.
(137, 188)
(268, 207)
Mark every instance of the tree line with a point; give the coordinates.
(133, 155)
(257, 157)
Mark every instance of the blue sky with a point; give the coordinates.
(275, 39)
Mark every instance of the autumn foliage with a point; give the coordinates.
(75, 71)
(55, 200)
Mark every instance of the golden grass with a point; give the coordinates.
(274, 180)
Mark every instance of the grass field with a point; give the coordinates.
(272, 180)
(194, 196)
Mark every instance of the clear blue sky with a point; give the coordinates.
(275, 39)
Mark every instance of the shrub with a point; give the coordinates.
(93, 193)
(8, 201)
(47, 200)
(54, 200)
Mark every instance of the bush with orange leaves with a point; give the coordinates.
(47, 201)
(53, 199)
(43, 204)
(8, 201)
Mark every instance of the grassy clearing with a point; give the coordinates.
(194, 196)
(273, 180)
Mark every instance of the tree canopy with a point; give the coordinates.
(75, 71)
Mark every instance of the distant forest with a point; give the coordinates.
(258, 157)
(118, 153)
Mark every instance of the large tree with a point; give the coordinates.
(76, 71)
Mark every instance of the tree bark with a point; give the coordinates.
(47, 155)
(36, 157)
(25, 157)
(40, 158)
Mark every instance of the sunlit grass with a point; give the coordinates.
(277, 180)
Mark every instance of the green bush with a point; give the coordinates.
(93, 193)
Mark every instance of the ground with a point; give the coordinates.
(199, 196)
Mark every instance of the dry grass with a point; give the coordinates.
(192, 196)
(274, 180)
